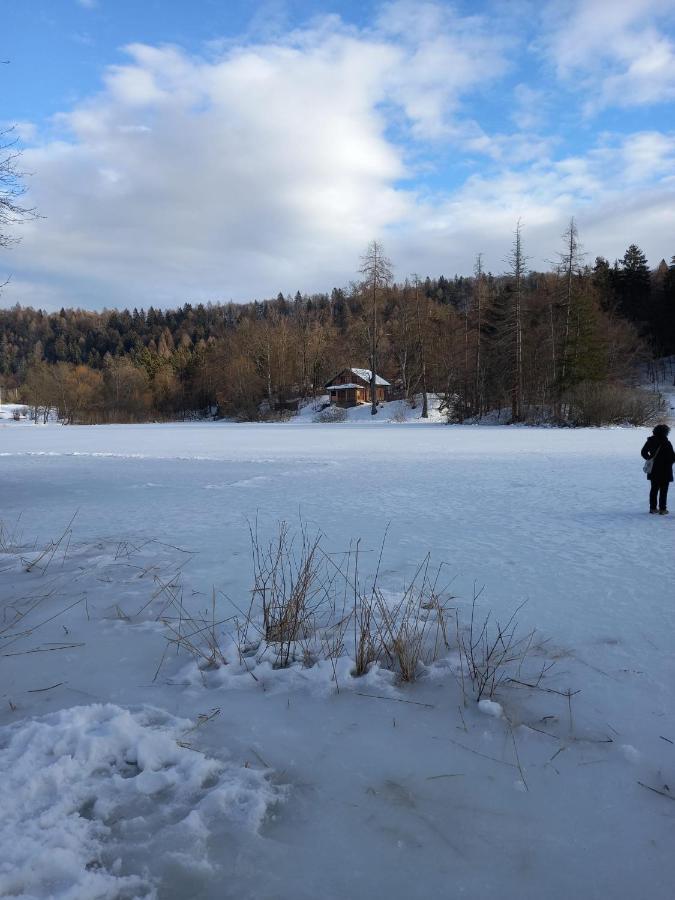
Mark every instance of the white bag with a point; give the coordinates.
(649, 464)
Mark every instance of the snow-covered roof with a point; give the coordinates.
(363, 374)
(343, 387)
(366, 375)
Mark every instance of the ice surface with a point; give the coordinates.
(380, 797)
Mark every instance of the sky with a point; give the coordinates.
(218, 150)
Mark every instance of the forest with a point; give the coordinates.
(561, 346)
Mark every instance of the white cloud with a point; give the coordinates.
(617, 193)
(647, 156)
(618, 51)
(187, 178)
(269, 166)
(88, 4)
(446, 56)
(530, 108)
(24, 131)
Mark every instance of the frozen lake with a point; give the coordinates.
(556, 518)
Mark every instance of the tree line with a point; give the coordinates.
(557, 345)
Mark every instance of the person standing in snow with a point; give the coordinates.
(659, 449)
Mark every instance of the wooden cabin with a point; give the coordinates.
(352, 386)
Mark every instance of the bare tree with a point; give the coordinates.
(478, 310)
(11, 189)
(377, 275)
(421, 349)
(517, 272)
(402, 338)
(569, 269)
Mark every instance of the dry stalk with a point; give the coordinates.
(493, 654)
(413, 630)
(43, 559)
(195, 633)
(293, 599)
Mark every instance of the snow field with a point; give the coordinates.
(393, 412)
(387, 789)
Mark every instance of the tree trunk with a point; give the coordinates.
(423, 361)
(373, 346)
(479, 311)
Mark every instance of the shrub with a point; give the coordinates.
(331, 414)
(593, 403)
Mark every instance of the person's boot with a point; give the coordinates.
(663, 512)
(652, 512)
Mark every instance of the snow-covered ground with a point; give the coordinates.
(392, 412)
(128, 771)
(660, 376)
(14, 411)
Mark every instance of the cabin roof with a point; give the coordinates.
(366, 375)
(363, 374)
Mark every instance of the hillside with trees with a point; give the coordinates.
(560, 345)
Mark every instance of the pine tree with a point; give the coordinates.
(604, 283)
(586, 351)
(634, 284)
(667, 322)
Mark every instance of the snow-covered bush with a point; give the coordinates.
(309, 607)
(290, 587)
(300, 613)
(331, 414)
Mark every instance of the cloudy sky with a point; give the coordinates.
(228, 149)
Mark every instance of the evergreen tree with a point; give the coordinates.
(634, 285)
(667, 318)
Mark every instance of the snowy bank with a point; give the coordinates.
(83, 784)
(396, 412)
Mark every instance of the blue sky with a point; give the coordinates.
(229, 150)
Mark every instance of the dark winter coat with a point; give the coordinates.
(662, 470)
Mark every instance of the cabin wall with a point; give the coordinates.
(344, 399)
(354, 396)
